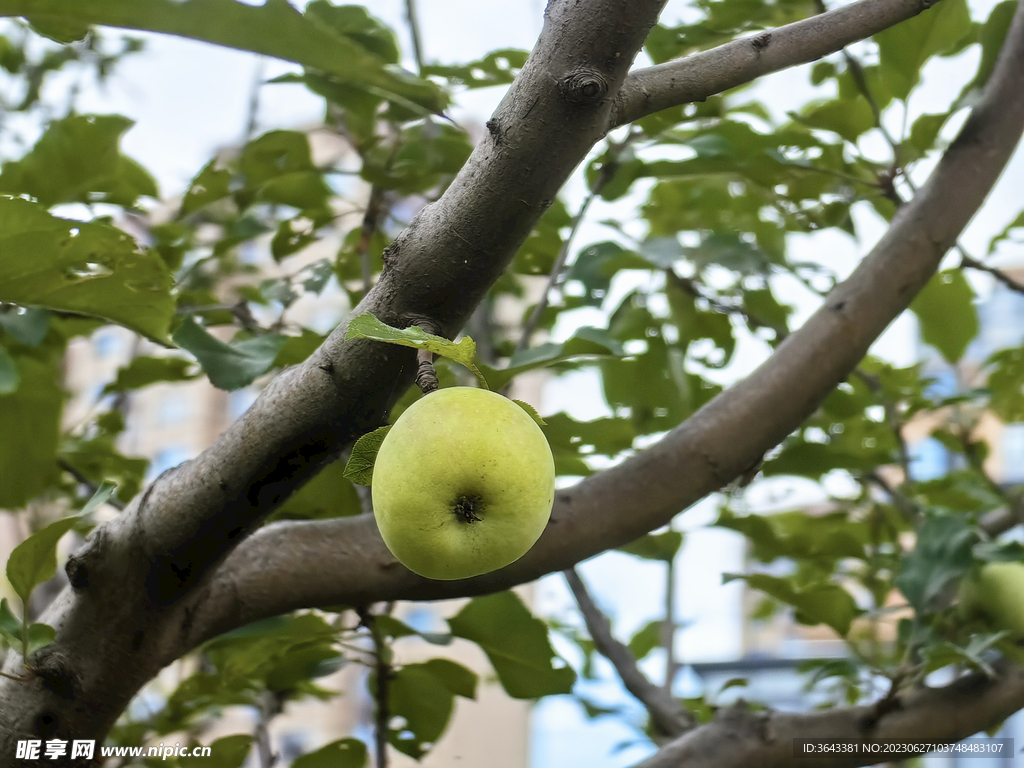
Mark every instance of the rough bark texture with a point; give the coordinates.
(182, 563)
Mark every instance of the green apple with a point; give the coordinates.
(996, 591)
(463, 484)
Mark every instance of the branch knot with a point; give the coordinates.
(584, 86)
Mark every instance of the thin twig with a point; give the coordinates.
(270, 705)
(383, 669)
(968, 261)
(414, 33)
(555, 278)
(667, 714)
(668, 628)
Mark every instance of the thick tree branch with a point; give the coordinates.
(130, 611)
(701, 455)
(700, 75)
(667, 715)
(738, 737)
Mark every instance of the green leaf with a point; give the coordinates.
(30, 429)
(369, 327)
(10, 625)
(83, 267)
(229, 366)
(516, 643)
(274, 28)
(646, 639)
(225, 752)
(530, 410)
(1006, 382)
(78, 160)
(850, 118)
(655, 546)
(9, 376)
(102, 494)
(328, 494)
(35, 560)
(496, 68)
(364, 455)
(945, 309)
(344, 753)
(904, 48)
(585, 343)
(423, 695)
(391, 627)
(40, 636)
(27, 326)
(821, 603)
(940, 558)
(145, 370)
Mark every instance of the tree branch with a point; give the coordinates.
(715, 445)
(667, 715)
(703, 74)
(739, 737)
(130, 611)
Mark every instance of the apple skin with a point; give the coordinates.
(996, 591)
(463, 484)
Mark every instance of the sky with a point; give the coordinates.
(189, 99)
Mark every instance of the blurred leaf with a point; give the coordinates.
(647, 638)
(145, 370)
(328, 494)
(9, 376)
(27, 326)
(516, 643)
(821, 603)
(316, 39)
(359, 469)
(344, 753)
(585, 342)
(35, 560)
(904, 48)
(225, 752)
(229, 366)
(30, 426)
(498, 67)
(83, 267)
(423, 695)
(945, 309)
(940, 558)
(1006, 382)
(78, 159)
(655, 546)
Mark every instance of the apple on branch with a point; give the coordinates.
(463, 484)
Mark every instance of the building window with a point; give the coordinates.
(166, 458)
(174, 408)
(929, 459)
(1013, 453)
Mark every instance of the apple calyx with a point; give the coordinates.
(467, 506)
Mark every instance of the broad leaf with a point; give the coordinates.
(364, 455)
(821, 603)
(369, 327)
(516, 643)
(344, 753)
(275, 28)
(229, 366)
(78, 160)
(945, 308)
(35, 560)
(88, 268)
(145, 370)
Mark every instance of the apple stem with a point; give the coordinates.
(426, 376)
